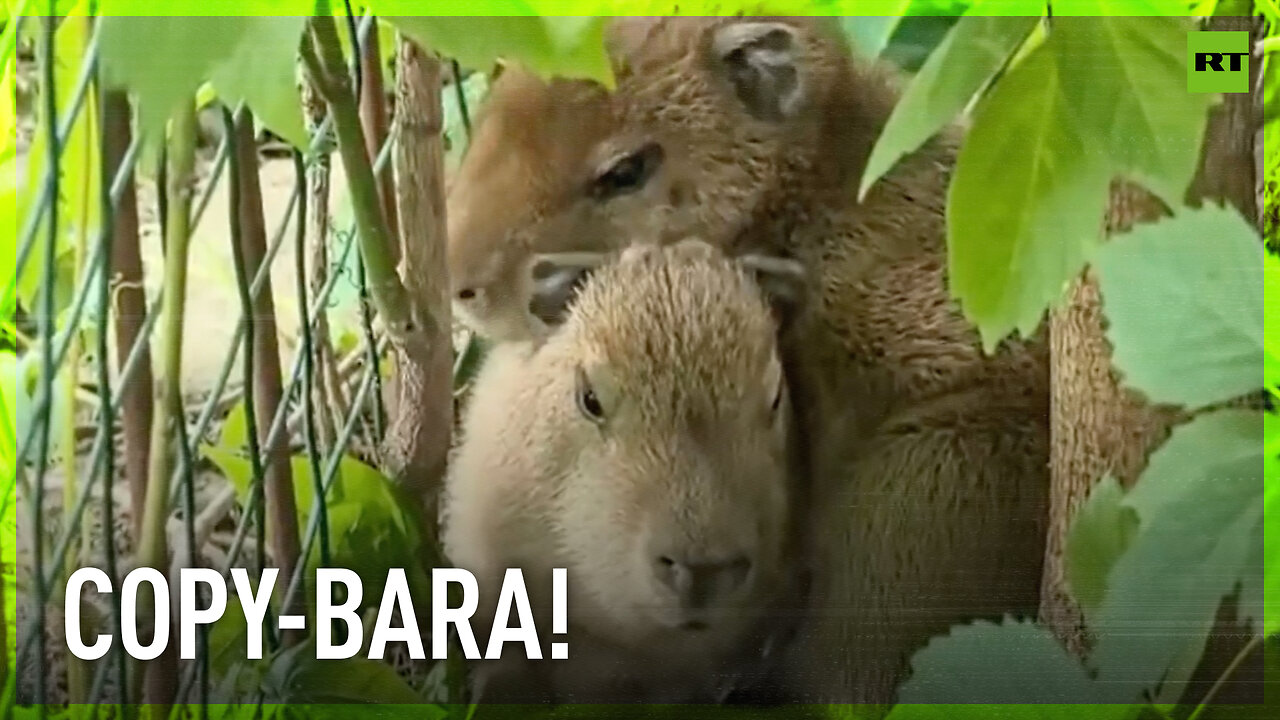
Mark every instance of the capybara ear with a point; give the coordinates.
(624, 37)
(784, 282)
(761, 61)
(556, 279)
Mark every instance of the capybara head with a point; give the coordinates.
(713, 121)
(669, 436)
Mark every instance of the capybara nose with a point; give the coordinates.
(699, 583)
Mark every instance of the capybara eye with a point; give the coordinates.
(588, 403)
(628, 173)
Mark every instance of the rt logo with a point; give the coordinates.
(1218, 61)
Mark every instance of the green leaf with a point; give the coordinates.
(1124, 79)
(371, 530)
(196, 51)
(371, 527)
(1026, 202)
(261, 70)
(238, 469)
(235, 429)
(1200, 503)
(296, 676)
(1185, 315)
(870, 35)
(568, 46)
(228, 638)
(968, 57)
(1011, 663)
(1098, 536)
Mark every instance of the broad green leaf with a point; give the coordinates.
(568, 46)
(1099, 535)
(235, 429)
(870, 35)
(296, 676)
(1035, 39)
(1200, 504)
(968, 57)
(190, 48)
(229, 635)
(1011, 663)
(1184, 303)
(194, 51)
(917, 36)
(237, 468)
(261, 70)
(1124, 79)
(1026, 202)
(370, 528)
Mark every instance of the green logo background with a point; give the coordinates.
(1219, 41)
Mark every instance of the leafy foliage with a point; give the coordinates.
(245, 57)
(1187, 325)
(1012, 663)
(1026, 203)
(260, 71)
(968, 57)
(370, 525)
(1102, 530)
(1151, 566)
(870, 35)
(549, 45)
(296, 676)
(1128, 105)
(1200, 506)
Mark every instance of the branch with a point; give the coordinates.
(322, 55)
(130, 304)
(153, 552)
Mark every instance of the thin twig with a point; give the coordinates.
(1222, 679)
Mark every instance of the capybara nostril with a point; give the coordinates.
(698, 584)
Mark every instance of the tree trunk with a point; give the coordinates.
(130, 301)
(418, 437)
(1100, 427)
(281, 510)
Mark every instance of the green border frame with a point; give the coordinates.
(552, 8)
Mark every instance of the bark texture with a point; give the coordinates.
(418, 436)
